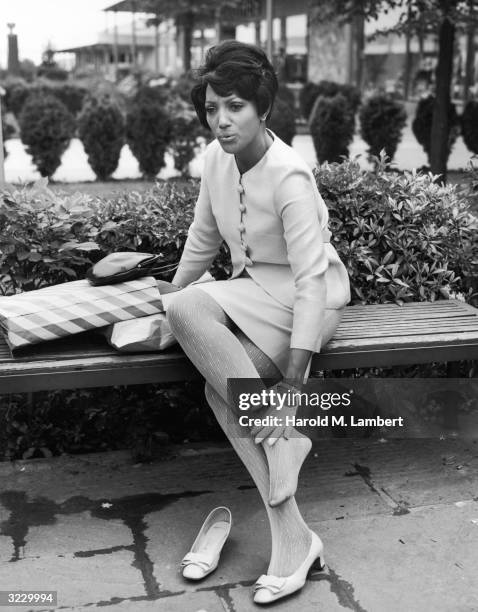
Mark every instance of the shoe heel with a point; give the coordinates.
(319, 564)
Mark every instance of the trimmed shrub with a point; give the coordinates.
(46, 128)
(402, 237)
(72, 96)
(182, 86)
(282, 121)
(332, 128)
(148, 131)
(329, 89)
(469, 125)
(286, 95)
(17, 91)
(307, 97)
(422, 124)
(186, 130)
(101, 128)
(382, 120)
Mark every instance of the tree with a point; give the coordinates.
(443, 17)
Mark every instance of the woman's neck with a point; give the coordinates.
(255, 151)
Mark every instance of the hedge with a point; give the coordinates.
(402, 237)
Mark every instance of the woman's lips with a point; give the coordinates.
(228, 138)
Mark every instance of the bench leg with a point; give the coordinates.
(450, 414)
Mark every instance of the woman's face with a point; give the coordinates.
(233, 121)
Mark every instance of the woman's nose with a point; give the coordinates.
(223, 118)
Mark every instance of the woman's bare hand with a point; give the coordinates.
(166, 287)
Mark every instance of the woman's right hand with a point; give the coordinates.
(271, 433)
(165, 287)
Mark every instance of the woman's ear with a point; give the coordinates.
(264, 115)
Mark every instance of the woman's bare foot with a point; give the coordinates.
(285, 459)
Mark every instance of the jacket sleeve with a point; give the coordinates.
(298, 202)
(202, 243)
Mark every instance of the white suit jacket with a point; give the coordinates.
(274, 222)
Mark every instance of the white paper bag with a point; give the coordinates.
(141, 335)
(147, 333)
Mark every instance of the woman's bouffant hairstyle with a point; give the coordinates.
(236, 67)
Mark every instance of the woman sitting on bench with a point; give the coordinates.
(283, 301)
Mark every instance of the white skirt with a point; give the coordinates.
(264, 320)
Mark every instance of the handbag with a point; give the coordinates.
(127, 265)
(74, 307)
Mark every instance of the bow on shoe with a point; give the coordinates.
(272, 583)
(196, 559)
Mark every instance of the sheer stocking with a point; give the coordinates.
(220, 351)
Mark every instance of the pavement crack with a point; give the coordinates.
(225, 598)
(132, 511)
(399, 507)
(342, 589)
(24, 513)
(102, 551)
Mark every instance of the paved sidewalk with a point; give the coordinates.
(399, 521)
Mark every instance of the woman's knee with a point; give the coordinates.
(193, 305)
(182, 307)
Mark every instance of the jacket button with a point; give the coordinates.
(242, 228)
(248, 262)
(240, 188)
(242, 207)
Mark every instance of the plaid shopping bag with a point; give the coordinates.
(71, 308)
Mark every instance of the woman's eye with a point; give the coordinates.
(236, 107)
(210, 109)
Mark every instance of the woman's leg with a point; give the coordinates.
(284, 467)
(203, 330)
(290, 534)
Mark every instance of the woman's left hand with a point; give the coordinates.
(284, 406)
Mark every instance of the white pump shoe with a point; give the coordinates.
(203, 557)
(269, 588)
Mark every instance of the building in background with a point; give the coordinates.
(114, 55)
(303, 49)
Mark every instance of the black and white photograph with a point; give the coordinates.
(239, 305)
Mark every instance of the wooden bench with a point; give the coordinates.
(369, 336)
